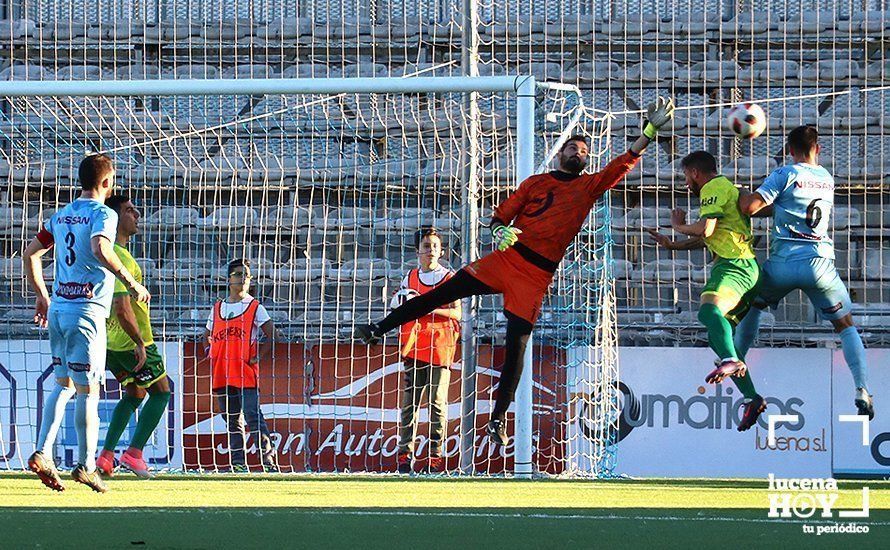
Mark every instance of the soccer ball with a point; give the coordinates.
(747, 120)
(403, 296)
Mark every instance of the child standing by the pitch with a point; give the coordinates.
(233, 332)
(427, 347)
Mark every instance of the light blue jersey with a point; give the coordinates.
(80, 280)
(802, 196)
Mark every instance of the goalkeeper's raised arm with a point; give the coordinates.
(547, 210)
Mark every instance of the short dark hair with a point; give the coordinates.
(700, 160)
(426, 231)
(93, 169)
(116, 201)
(235, 264)
(576, 137)
(803, 139)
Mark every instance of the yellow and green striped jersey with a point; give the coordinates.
(732, 237)
(118, 340)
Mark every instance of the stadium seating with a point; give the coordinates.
(16, 29)
(633, 24)
(868, 22)
(810, 22)
(338, 151)
(875, 262)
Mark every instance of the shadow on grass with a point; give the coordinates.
(246, 527)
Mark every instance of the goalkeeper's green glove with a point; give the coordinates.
(658, 114)
(505, 236)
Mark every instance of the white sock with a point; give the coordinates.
(86, 415)
(53, 414)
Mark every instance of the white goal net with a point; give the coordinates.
(323, 192)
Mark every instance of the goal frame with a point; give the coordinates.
(523, 86)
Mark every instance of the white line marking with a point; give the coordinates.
(432, 513)
(857, 418)
(771, 421)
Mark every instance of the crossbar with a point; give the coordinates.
(262, 86)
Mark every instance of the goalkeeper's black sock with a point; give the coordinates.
(460, 286)
(518, 331)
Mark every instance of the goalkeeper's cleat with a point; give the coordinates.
(135, 464)
(752, 411)
(497, 429)
(105, 463)
(435, 465)
(730, 367)
(91, 479)
(368, 334)
(404, 463)
(864, 403)
(46, 471)
(240, 469)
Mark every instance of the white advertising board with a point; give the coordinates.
(26, 376)
(673, 424)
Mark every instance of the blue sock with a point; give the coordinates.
(746, 332)
(53, 414)
(854, 354)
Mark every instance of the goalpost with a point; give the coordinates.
(319, 273)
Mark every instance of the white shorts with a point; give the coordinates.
(78, 341)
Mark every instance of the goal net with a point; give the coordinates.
(322, 185)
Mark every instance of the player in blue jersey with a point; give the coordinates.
(802, 252)
(83, 235)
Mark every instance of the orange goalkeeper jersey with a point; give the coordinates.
(550, 209)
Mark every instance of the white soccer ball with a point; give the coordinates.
(747, 120)
(403, 296)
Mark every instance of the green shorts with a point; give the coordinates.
(123, 363)
(734, 279)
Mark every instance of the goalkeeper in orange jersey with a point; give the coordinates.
(532, 230)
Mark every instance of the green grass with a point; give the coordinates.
(392, 512)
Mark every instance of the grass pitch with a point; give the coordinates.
(396, 512)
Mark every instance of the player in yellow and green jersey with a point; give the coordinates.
(734, 280)
(132, 357)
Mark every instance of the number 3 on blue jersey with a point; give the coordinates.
(80, 279)
(70, 257)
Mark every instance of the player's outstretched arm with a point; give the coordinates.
(104, 252)
(754, 205)
(693, 243)
(702, 228)
(760, 202)
(33, 266)
(658, 115)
